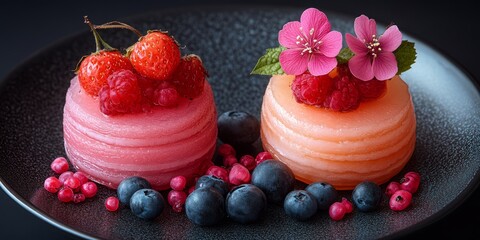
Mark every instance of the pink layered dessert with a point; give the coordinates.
(156, 145)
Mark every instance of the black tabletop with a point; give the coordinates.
(27, 27)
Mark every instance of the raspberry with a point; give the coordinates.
(59, 165)
(311, 90)
(345, 97)
(166, 95)
(121, 95)
(155, 56)
(190, 76)
(371, 89)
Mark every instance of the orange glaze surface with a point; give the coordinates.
(373, 142)
(157, 145)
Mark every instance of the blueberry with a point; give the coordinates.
(324, 193)
(205, 207)
(367, 196)
(238, 128)
(246, 203)
(275, 179)
(212, 181)
(147, 204)
(129, 186)
(300, 205)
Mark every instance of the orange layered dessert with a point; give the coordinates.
(148, 112)
(336, 115)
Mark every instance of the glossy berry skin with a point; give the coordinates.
(190, 76)
(238, 175)
(324, 193)
(155, 56)
(59, 165)
(209, 181)
(65, 194)
(400, 200)
(121, 95)
(392, 187)
(147, 204)
(129, 186)
(112, 204)
(275, 179)
(218, 172)
(95, 69)
(81, 177)
(205, 207)
(238, 128)
(371, 89)
(178, 183)
(347, 204)
(176, 199)
(52, 184)
(262, 156)
(78, 198)
(246, 203)
(337, 211)
(73, 183)
(410, 182)
(312, 90)
(300, 205)
(367, 196)
(89, 189)
(65, 175)
(248, 161)
(225, 150)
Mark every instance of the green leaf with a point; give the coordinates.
(405, 55)
(344, 55)
(269, 64)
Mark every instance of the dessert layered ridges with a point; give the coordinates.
(374, 142)
(157, 145)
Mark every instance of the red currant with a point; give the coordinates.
(59, 165)
(392, 187)
(64, 176)
(72, 182)
(400, 200)
(81, 176)
(178, 183)
(218, 172)
(52, 184)
(239, 175)
(337, 211)
(225, 150)
(410, 182)
(229, 161)
(347, 204)
(89, 189)
(78, 198)
(262, 156)
(112, 204)
(248, 161)
(177, 199)
(65, 194)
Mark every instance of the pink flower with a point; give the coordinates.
(310, 44)
(373, 53)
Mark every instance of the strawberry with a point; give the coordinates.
(93, 70)
(155, 55)
(190, 76)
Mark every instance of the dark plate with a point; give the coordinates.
(230, 41)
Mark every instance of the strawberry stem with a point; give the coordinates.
(99, 42)
(116, 24)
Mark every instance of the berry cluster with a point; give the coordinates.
(69, 186)
(338, 91)
(401, 193)
(151, 73)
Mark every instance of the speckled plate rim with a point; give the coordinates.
(450, 207)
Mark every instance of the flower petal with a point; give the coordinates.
(293, 62)
(331, 44)
(321, 65)
(391, 39)
(357, 46)
(365, 28)
(287, 37)
(385, 66)
(315, 19)
(361, 67)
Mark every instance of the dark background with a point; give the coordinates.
(28, 27)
